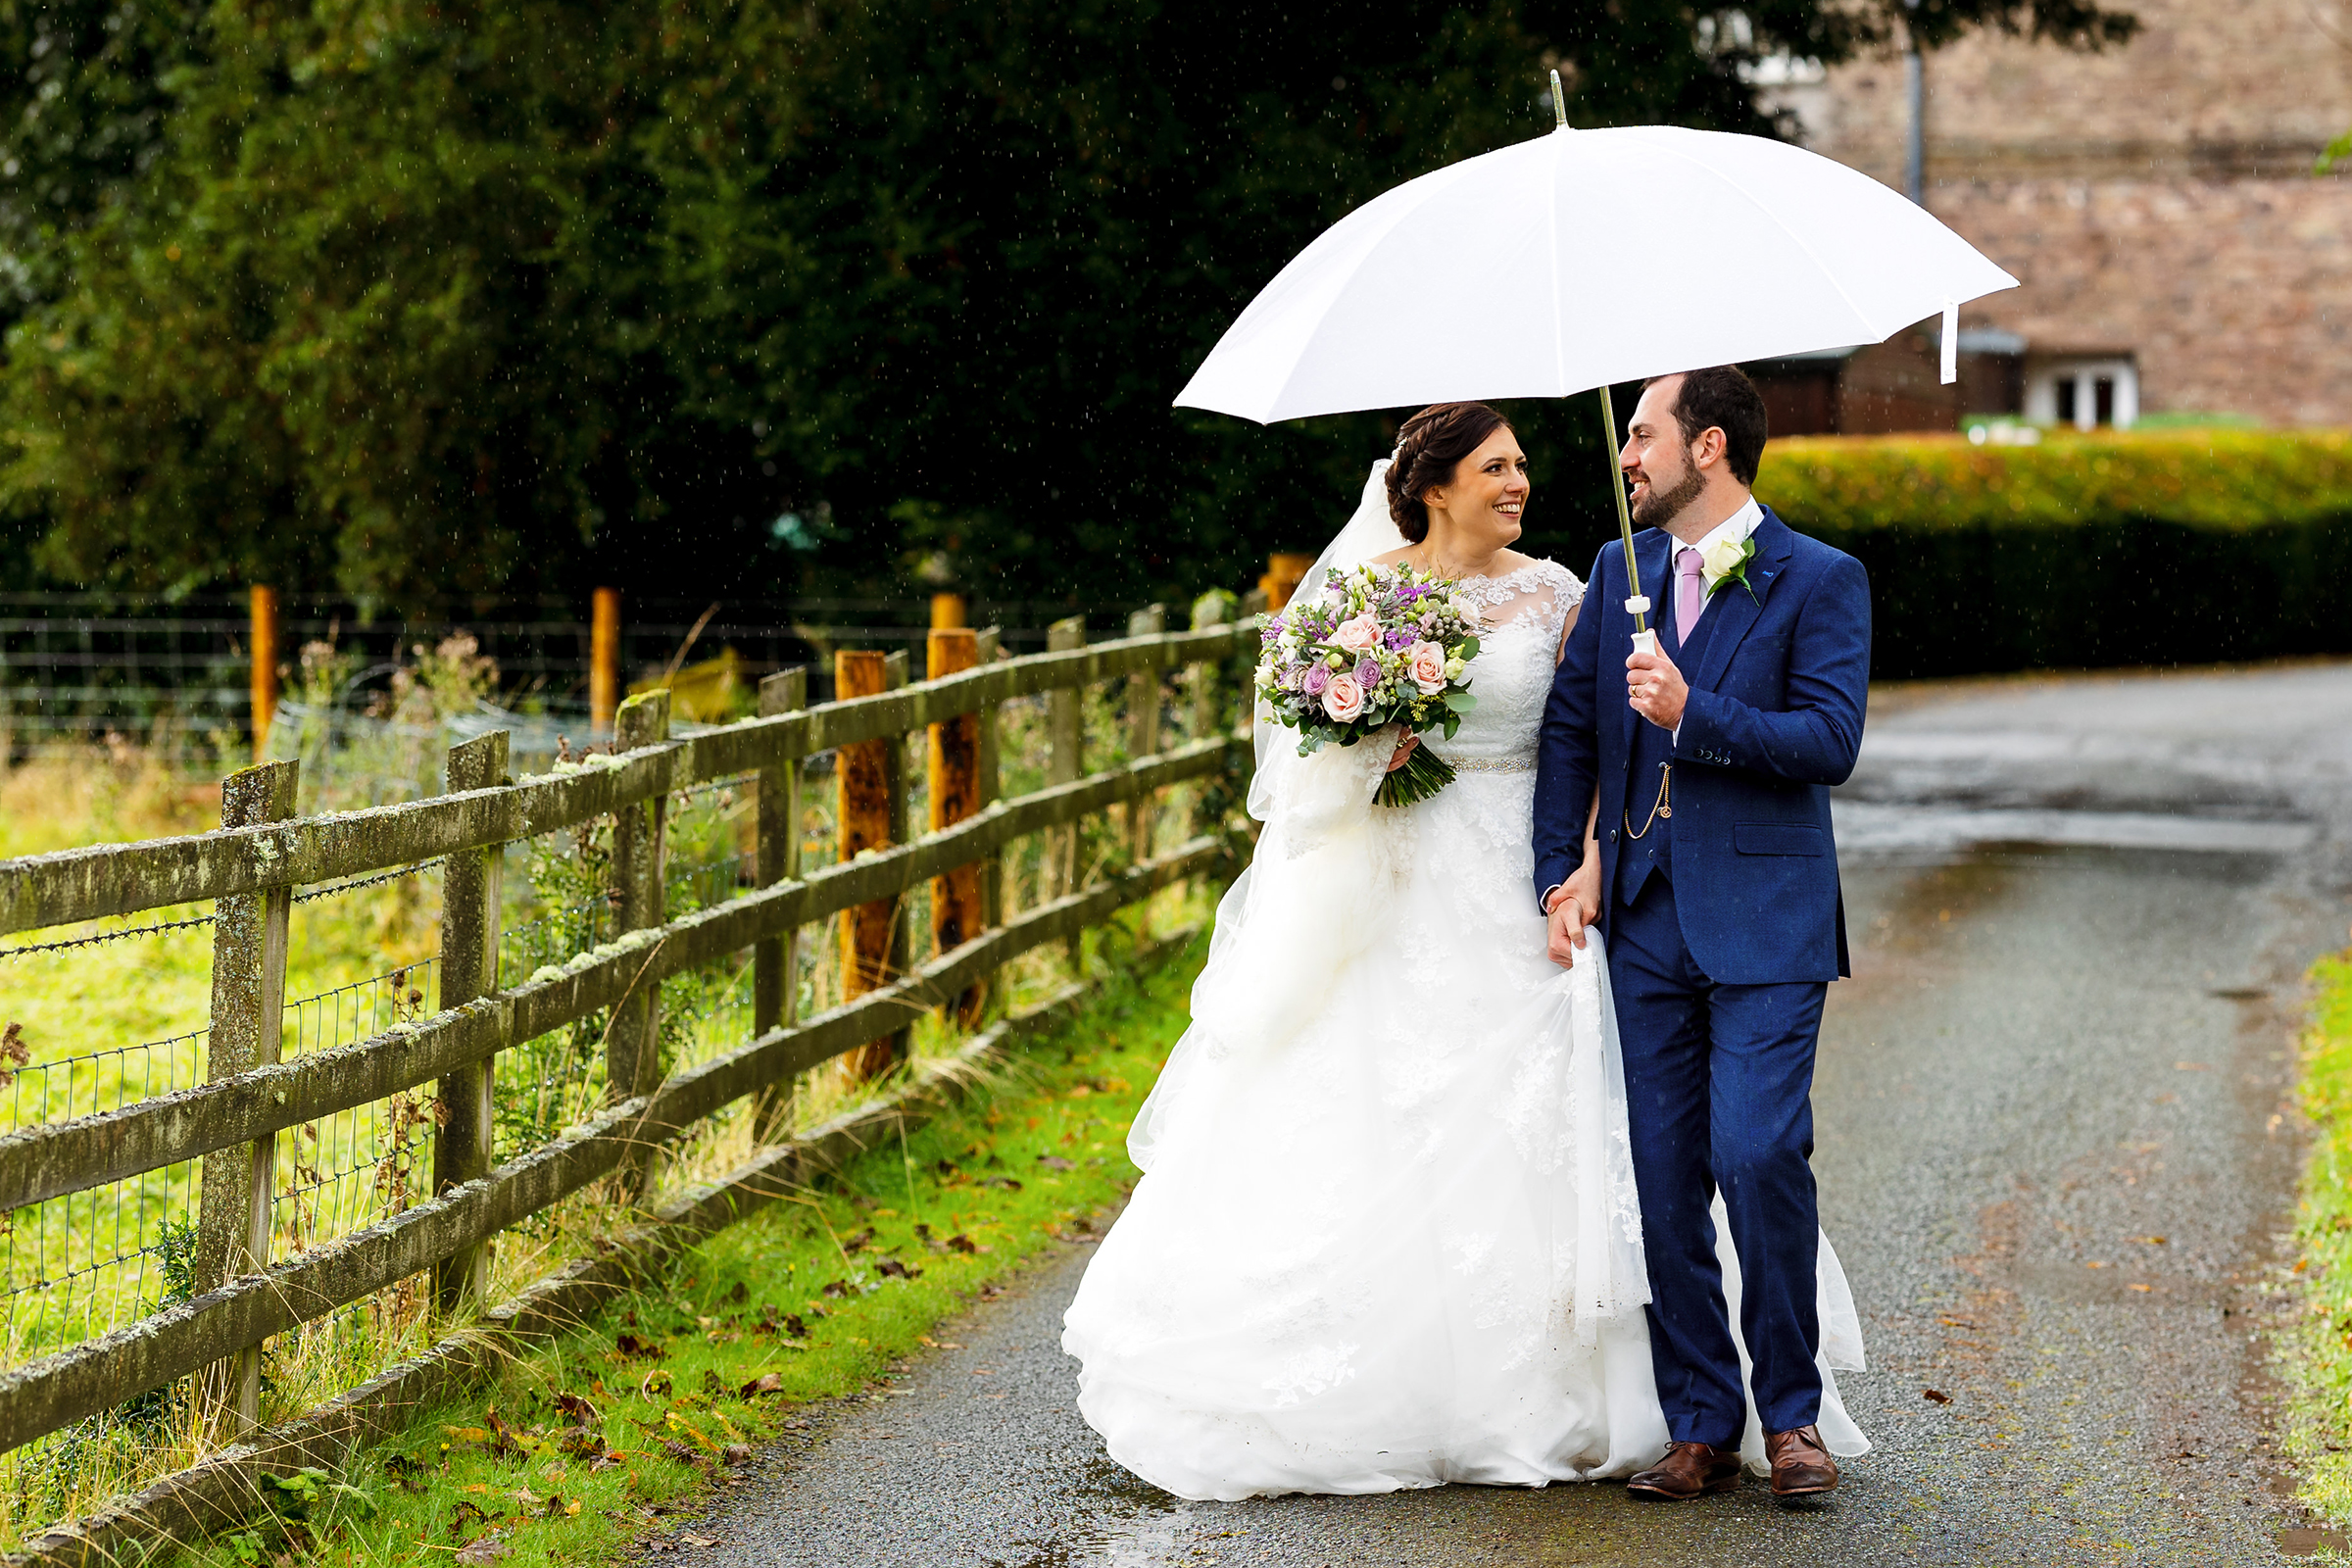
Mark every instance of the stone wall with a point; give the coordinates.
(2155, 198)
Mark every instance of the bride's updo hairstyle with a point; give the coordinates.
(1428, 446)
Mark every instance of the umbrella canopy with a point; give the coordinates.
(1584, 257)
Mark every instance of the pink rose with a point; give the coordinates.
(1425, 664)
(1344, 698)
(1358, 635)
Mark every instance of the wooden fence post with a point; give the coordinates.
(1209, 610)
(946, 611)
(872, 812)
(464, 1139)
(954, 794)
(775, 963)
(1065, 748)
(1143, 729)
(603, 658)
(984, 651)
(633, 1047)
(261, 635)
(1284, 573)
(249, 996)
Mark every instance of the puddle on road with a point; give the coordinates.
(1145, 1532)
(1868, 826)
(1147, 1542)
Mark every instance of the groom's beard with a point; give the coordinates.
(1661, 506)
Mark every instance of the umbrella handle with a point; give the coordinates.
(1625, 517)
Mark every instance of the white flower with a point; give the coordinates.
(1722, 558)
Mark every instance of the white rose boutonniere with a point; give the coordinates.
(1726, 562)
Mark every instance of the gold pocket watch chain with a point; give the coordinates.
(1663, 806)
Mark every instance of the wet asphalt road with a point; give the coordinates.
(2056, 1152)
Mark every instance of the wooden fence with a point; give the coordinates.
(253, 865)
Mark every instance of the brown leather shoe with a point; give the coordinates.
(1800, 1466)
(1688, 1470)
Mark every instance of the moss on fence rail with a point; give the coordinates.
(2133, 548)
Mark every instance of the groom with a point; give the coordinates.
(1717, 888)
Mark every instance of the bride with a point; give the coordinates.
(1388, 1233)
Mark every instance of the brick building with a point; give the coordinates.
(2156, 201)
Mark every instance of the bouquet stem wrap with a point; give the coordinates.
(1423, 775)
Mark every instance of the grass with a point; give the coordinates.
(2317, 1353)
(603, 1437)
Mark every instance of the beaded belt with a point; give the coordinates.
(1491, 764)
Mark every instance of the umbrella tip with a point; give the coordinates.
(1559, 103)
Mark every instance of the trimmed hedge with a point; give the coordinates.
(2174, 547)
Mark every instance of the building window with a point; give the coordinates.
(2086, 393)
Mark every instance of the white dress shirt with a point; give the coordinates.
(1735, 527)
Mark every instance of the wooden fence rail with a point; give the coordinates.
(233, 1120)
(72, 885)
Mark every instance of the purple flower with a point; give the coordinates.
(1367, 673)
(1396, 640)
(1314, 680)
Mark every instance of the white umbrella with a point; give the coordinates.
(1584, 258)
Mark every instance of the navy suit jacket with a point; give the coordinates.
(1774, 720)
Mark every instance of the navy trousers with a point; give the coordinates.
(1719, 1083)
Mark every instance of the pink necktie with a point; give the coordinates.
(1689, 599)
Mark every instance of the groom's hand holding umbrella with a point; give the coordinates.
(1655, 689)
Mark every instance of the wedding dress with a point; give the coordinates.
(1388, 1233)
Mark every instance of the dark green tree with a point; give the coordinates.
(418, 297)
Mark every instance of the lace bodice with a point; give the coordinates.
(1511, 676)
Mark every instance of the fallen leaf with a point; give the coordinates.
(1936, 1397)
(528, 1499)
(489, 1549)
(765, 1383)
(2141, 1288)
(795, 1327)
(579, 1409)
(2152, 1241)
(1055, 1163)
(606, 1460)
(737, 1454)
(637, 1348)
(960, 1243)
(713, 1385)
(741, 1293)
(1008, 1182)
(466, 1513)
(859, 1242)
(892, 1268)
(657, 1384)
(693, 1540)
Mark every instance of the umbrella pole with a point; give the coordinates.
(1645, 640)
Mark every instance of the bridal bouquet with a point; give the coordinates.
(1376, 646)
